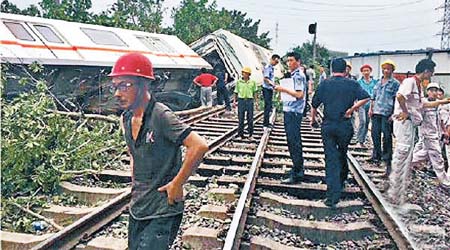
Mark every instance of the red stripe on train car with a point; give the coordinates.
(75, 48)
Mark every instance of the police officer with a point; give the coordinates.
(154, 136)
(338, 94)
(293, 114)
(267, 88)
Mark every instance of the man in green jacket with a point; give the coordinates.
(245, 94)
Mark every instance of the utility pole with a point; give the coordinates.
(276, 35)
(314, 46)
(312, 29)
(445, 34)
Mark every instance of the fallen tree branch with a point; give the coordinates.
(83, 171)
(49, 92)
(87, 116)
(49, 221)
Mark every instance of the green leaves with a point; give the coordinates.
(194, 19)
(306, 53)
(38, 147)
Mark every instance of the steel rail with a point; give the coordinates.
(395, 227)
(217, 143)
(70, 236)
(234, 234)
(195, 118)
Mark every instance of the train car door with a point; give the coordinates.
(21, 44)
(55, 42)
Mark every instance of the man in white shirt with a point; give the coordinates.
(408, 116)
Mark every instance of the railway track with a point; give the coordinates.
(236, 200)
(100, 197)
(240, 202)
(97, 224)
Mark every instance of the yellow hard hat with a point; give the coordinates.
(389, 61)
(247, 70)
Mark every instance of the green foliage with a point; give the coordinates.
(7, 7)
(69, 10)
(40, 148)
(194, 19)
(16, 220)
(143, 15)
(237, 22)
(306, 53)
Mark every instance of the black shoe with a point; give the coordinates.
(388, 170)
(373, 161)
(331, 203)
(292, 180)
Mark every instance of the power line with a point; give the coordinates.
(334, 19)
(276, 35)
(333, 10)
(410, 27)
(372, 6)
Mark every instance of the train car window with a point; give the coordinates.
(156, 44)
(48, 34)
(19, 31)
(104, 37)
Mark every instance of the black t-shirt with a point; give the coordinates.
(157, 160)
(337, 94)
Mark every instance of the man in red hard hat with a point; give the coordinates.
(154, 136)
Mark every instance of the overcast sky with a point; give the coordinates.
(343, 25)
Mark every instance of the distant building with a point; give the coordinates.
(334, 54)
(406, 61)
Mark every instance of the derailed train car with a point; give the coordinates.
(406, 61)
(78, 56)
(228, 52)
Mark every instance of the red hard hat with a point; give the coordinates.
(133, 64)
(365, 66)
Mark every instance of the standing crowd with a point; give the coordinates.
(154, 135)
(417, 117)
(395, 110)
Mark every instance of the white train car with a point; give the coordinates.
(406, 62)
(227, 51)
(72, 47)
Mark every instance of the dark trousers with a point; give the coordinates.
(307, 108)
(336, 136)
(245, 106)
(157, 234)
(268, 96)
(292, 126)
(223, 96)
(382, 125)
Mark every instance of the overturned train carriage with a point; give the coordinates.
(77, 58)
(228, 52)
